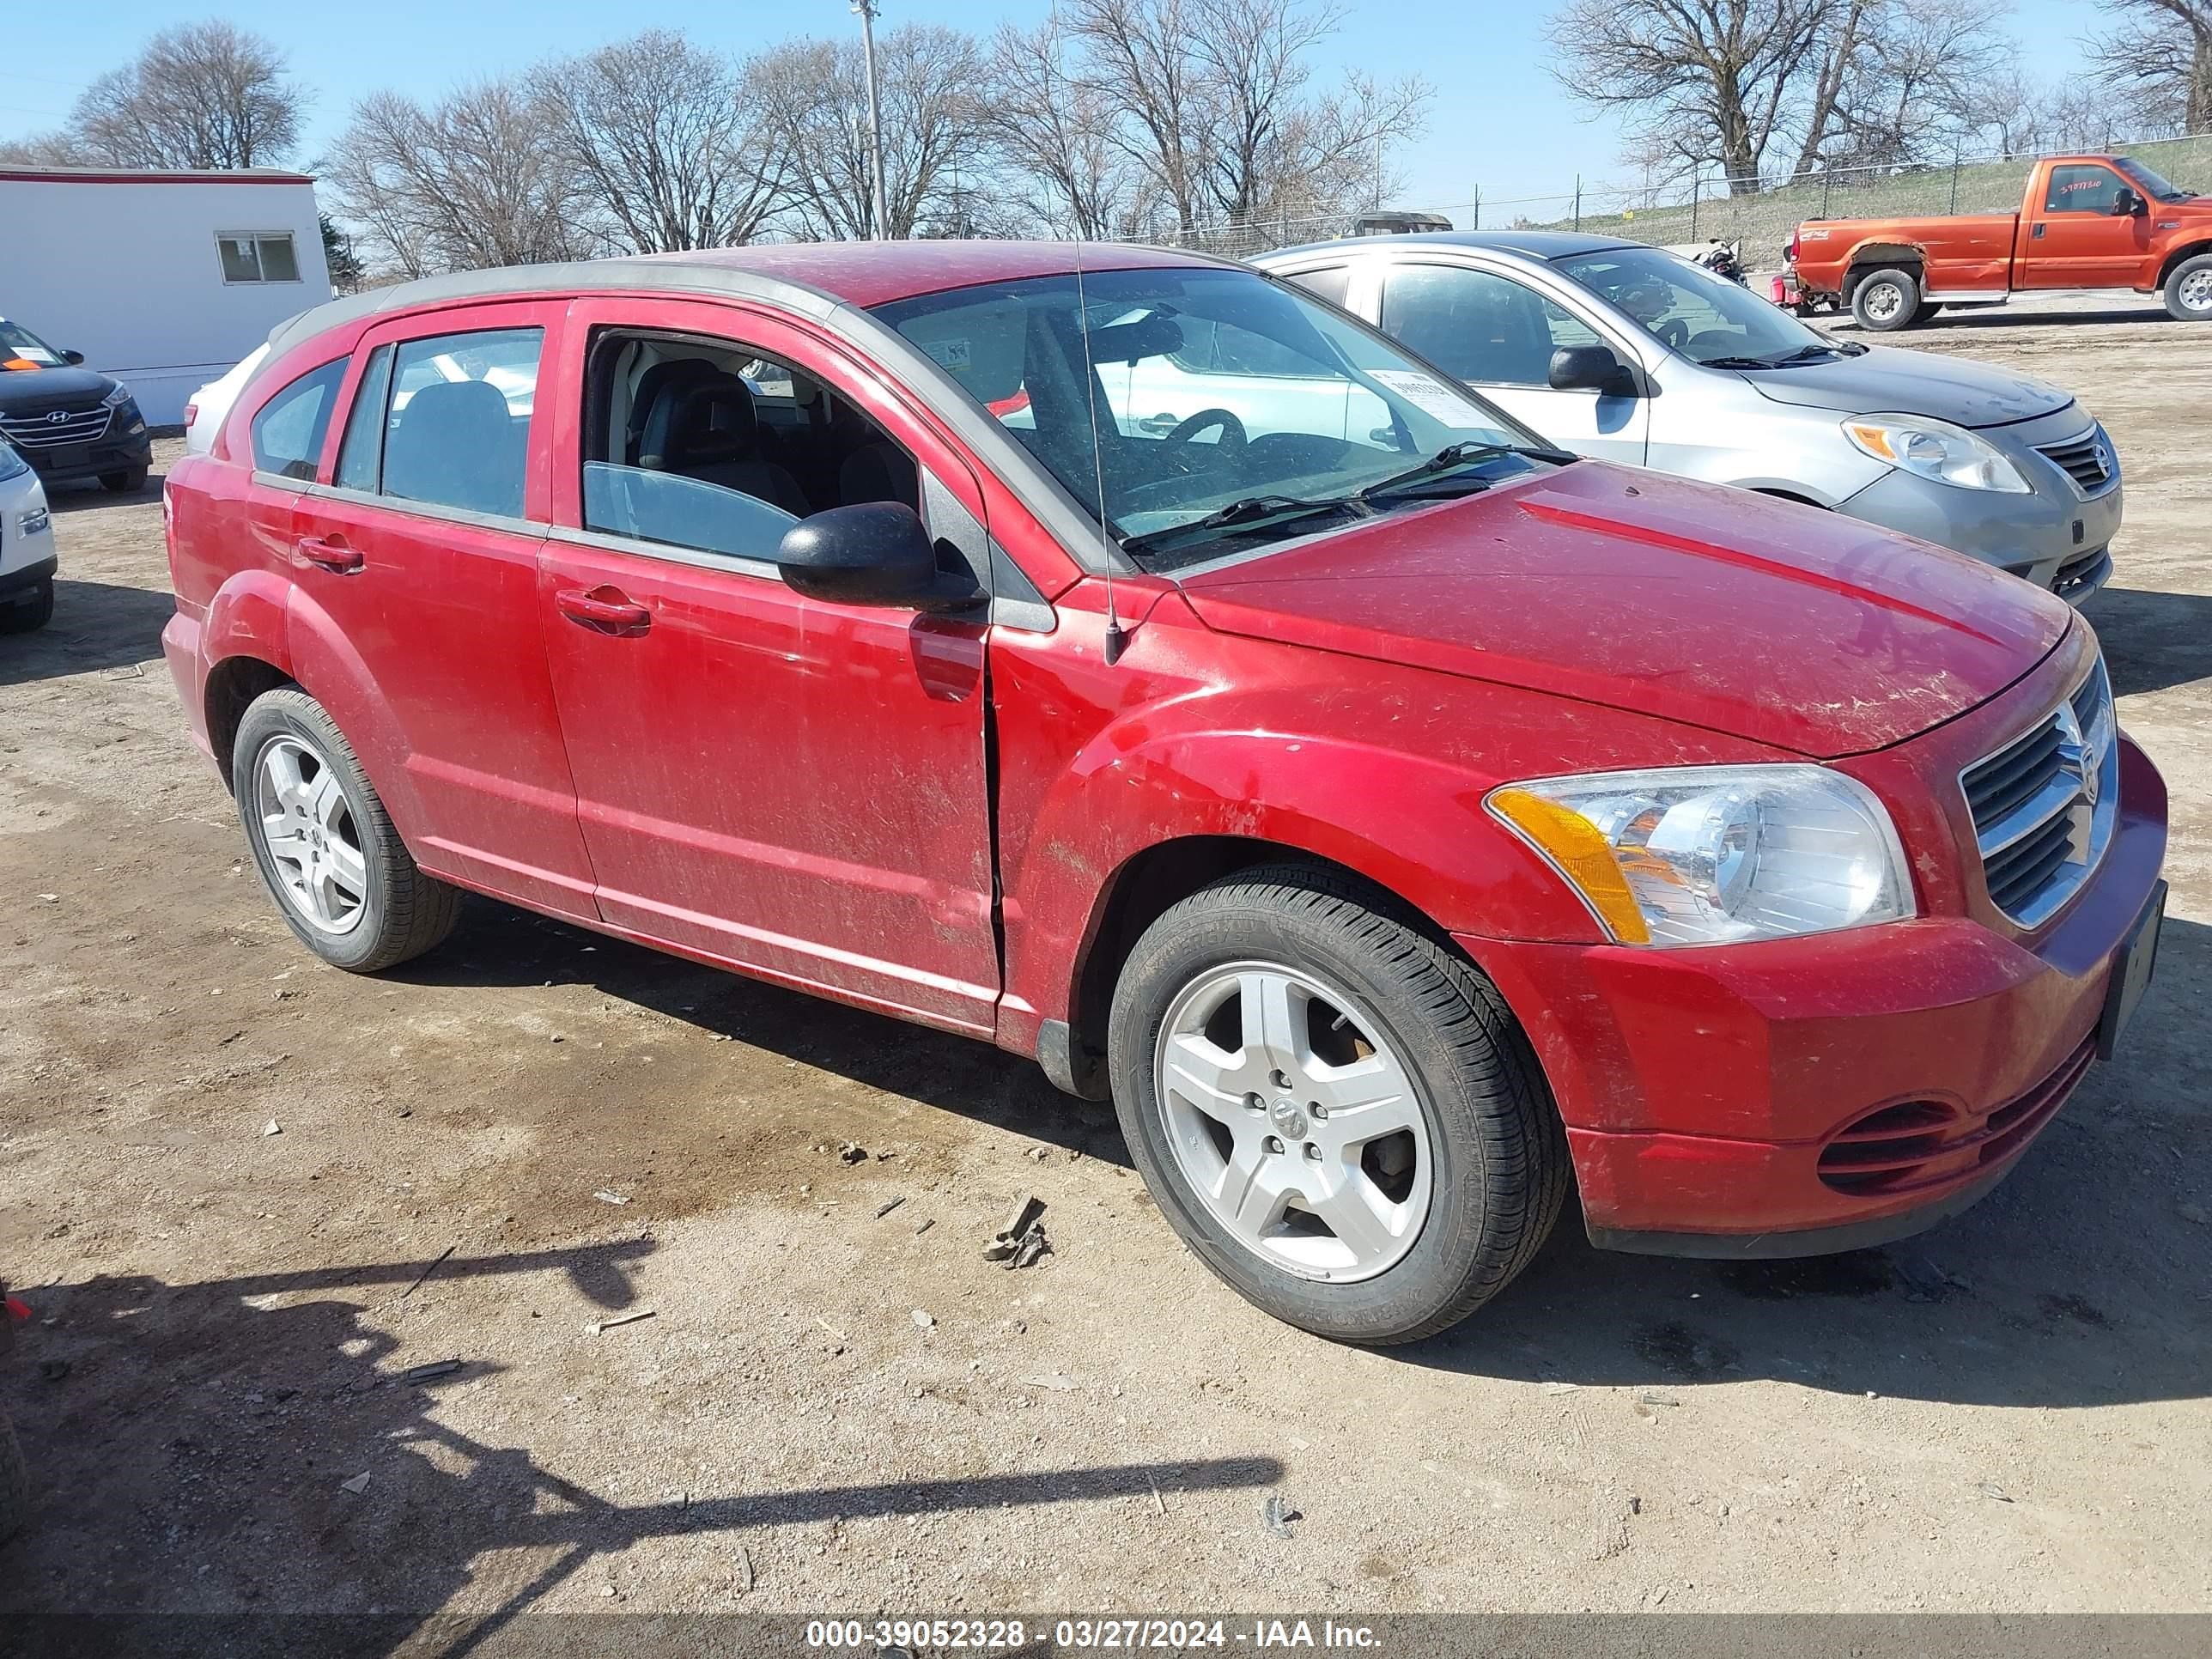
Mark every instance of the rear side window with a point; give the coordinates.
(288, 431)
(2082, 189)
(1331, 282)
(455, 430)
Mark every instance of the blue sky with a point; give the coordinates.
(1499, 121)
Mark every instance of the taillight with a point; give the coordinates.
(191, 413)
(1789, 253)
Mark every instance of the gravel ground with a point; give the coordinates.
(247, 1193)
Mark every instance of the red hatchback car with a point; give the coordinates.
(1143, 666)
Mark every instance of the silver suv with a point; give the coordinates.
(1633, 353)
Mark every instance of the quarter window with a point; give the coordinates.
(260, 257)
(456, 432)
(361, 453)
(288, 429)
(2082, 189)
(1482, 327)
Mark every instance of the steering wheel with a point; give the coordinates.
(1233, 438)
(1674, 332)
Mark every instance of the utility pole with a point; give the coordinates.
(865, 10)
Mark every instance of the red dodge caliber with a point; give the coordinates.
(1146, 667)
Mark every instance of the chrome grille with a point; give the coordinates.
(2043, 806)
(45, 432)
(2088, 459)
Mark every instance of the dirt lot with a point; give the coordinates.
(228, 1168)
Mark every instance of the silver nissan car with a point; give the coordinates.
(1633, 353)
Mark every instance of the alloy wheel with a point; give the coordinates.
(1300, 1130)
(314, 844)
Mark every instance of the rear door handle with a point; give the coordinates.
(603, 608)
(1159, 423)
(327, 554)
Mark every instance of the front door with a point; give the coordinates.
(1498, 335)
(420, 548)
(794, 787)
(2076, 240)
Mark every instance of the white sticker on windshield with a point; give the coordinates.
(1429, 395)
(31, 354)
(950, 354)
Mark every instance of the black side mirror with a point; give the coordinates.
(72, 358)
(871, 553)
(2127, 204)
(1590, 368)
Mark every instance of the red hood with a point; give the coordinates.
(1761, 619)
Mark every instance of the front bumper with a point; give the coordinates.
(117, 450)
(2053, 537)
(23, 578)
(1701, 1087)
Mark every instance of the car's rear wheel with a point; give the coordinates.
(29, 610)
(324, 844)
(1334, 1110)
(1886, 300)
(15, 1482)
(2189, 290)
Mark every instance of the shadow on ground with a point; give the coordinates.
(96, 627)
(190, 1451)
(2153, 641)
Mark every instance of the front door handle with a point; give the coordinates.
(1162, 424)
(608, 609)
(326, 553)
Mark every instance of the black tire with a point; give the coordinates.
(2194, 275)
(25, 612)
(405, 912)
(1500, 1168)
(15, 1482)
(128, 482)
(1887, 300)
(1928, 310)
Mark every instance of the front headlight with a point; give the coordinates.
(118, 397)
(1935, 450)
(1711, 854)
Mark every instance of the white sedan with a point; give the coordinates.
(203, 414)
(27, 546)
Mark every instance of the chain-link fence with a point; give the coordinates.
(1762, 219)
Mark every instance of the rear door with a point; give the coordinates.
(2074, 238)
(420, 548)
(1498, 334)
(791, 786)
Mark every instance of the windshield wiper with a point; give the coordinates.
(1458, 455)
(1247, 513)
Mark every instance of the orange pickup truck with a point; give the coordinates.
(2084, 221)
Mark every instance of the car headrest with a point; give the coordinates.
(698, 425)
(447, 444)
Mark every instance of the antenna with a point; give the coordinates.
(1116, 640)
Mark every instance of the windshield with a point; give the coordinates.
(2149, 183)
(1705, 318)
(1229, 410)
(21, 348)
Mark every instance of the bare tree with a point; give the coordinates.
(814, 95)
(1912, 81)
(1216, 104)
(468, 182)
(1054, 132)
(204, 95)
(2160, 54)
(671, 141)
(60, 148)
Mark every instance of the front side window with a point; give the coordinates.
(1480, 325)
(266, 256)
(2082, 189)
(288, 429)
(1229, 408)
(456, 420)
(710, 444)
(1707, 319)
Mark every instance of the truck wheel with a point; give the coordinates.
(1886, 300)
(325, 848)
(2189, 290)
(15, 1482)
(1337, 1113)
(28, 611)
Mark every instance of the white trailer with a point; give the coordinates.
(163, 279)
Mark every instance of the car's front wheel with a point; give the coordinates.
(2189, 290)
(324, 844)
(29, 610)
(128, 482)
(1334, 1110)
